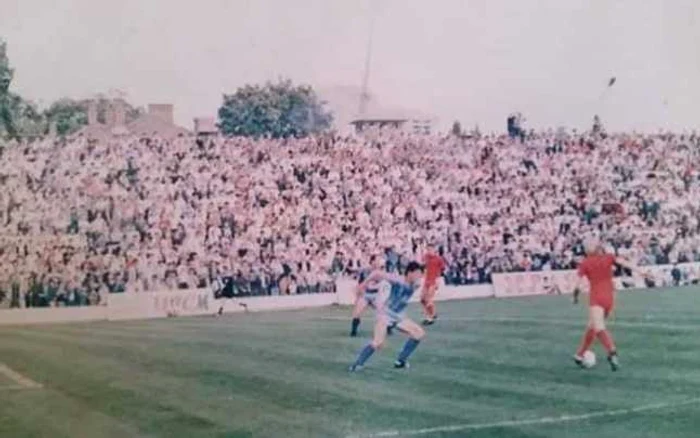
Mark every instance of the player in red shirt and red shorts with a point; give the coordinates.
(434, 266)
(598, 268)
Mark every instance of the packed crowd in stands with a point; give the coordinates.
(81, 218)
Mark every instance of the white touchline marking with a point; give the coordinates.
(20, 380)
(531, 422)
(12, 388)
(613, 322)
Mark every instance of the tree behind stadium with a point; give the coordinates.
(18, 117)
(278, 110)
(70, 115)
(6, 73)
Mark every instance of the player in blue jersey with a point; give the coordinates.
(368, 296)
(391, 313)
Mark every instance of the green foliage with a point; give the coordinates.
(456, 128)
(26, 117)
(71, 115)
(68, 115)
(103, 105)
(133, 113)
(6, 73)
(278, 110)
(7, 126)
(20, 117)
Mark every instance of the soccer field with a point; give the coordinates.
(489, 368)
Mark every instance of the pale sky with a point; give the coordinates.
(472, 60)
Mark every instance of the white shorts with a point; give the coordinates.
(392, 318)
(379, 297)
(371, 298)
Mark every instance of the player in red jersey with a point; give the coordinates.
(598, 268)
(434, 266)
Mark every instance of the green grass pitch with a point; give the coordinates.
(489, 368)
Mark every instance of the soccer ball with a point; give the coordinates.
(589, 359)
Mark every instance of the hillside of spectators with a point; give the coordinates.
(81, 218)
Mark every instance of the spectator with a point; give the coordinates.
(287, 216)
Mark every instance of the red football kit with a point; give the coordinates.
(598, 269)
(434, 265)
